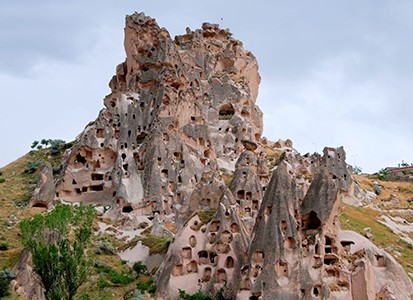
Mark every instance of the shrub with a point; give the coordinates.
(139, 267)
(197, 296)
(5, 277)
(146, 284)
(57, 242)
(357, 170)
(34, 144)
(157, 244)
(205, 215)
(56, 146)
(105, 248)
(113, 276)
(102, 283)
(2, 180)
(32, 166)
(4, 246)
(21, 203)
(56, 170)
(376, 189)
(119, 278)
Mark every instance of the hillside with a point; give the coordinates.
(15, 194)
(388, 215)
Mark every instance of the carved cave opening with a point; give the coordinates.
(127, 209)
(311, 221)
(226, 111)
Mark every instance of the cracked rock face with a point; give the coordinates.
(179, 137)
(177, 110)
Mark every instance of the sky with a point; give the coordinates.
(333, 73)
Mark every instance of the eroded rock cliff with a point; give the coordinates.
(180, 135)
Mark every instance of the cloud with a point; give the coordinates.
(336, 106)
(333, 72)
(36, 31)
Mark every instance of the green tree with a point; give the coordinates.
(57, 242)
(357, 170)
(5, 277)
(34, 144)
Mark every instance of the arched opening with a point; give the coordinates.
(316, 291)
(213, 258)
(311, 221)
(192, 267)
(222, 248)
(215, 226)
(289, 243)
(235, 228)
(283, 227)
(226, 236)
(177, 270)
(282, 269)
(380, 260)
(229, 262)
(221, 276)
(226, 111)
(39, 203)
(186, 253)
(258, 256)
(255, 205)
(192, 241)
(203, 257)
(207, 274)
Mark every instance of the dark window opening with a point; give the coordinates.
(40, 204)
(96, 188)
(96, 176)
(80, 159)
(127, 209)
(311, 221)
(141, 137)
(226, 111)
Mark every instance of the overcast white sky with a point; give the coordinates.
(333, 72)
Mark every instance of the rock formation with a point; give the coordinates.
(179, 136)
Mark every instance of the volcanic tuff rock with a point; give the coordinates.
(180, 137)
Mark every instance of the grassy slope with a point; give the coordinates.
(358, 218)
(14, 189)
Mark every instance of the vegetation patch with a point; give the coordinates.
(57, 242)
(157, 244)
(5, 277)
(357, 218)
(205, 215)
(146, 284)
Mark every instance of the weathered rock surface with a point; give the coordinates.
(44, 193)
(179, 138)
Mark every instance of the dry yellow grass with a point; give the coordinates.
(403, 190)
